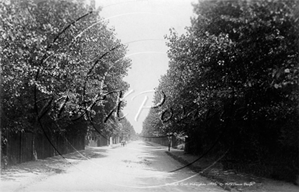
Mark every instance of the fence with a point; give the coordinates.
(20, 146)
(165, 141)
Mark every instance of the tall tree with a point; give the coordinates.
(235, 73)
(59, 60)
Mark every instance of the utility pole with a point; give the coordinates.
(170, 141)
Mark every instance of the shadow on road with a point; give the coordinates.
(51, 165)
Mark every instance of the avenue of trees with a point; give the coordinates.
(232, 85)
(61, 74)
(127, 131)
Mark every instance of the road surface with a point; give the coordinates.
(139, 166)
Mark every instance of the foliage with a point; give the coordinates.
(127, 130)
(235, 74)
(60, 62)
(152, 125)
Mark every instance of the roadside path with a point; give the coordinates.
(228, 179)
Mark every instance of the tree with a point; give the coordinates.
(127, 130)
(234, 74)
(152, 125)
(59, 62)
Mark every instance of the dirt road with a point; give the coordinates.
(136, 167)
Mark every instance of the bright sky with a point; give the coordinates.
(142, 25)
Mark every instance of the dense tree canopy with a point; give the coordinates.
(127, 130)
(60, 64)
(235, 73)
(152, 125)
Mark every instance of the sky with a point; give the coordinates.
(142, 25)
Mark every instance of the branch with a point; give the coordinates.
(94, 65)
(69, 25)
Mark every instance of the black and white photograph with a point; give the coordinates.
(149, 95)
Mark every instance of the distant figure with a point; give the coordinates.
(123, 142)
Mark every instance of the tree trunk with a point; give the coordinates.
(34, 153)
(20, 148)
